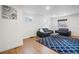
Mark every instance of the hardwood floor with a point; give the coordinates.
(30, 47)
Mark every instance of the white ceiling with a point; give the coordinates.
(55, 10)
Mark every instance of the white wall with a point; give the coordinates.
(31, 27)
(46, 22)
(11, 31)
(73, 23)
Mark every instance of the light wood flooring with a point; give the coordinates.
(30, 47)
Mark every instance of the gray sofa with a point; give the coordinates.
(63, 31)
(46, 32)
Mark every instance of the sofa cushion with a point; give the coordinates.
(41, 30)
(63, 30)
(45, 29)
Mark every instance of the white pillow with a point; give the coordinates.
(41, 30)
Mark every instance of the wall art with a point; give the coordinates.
(8, 12)
(62, 23)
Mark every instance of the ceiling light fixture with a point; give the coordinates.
(47, 7)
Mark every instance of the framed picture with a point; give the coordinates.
(8, 12)
(62, 23)
(28, 18)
